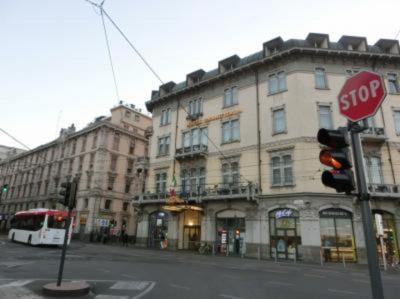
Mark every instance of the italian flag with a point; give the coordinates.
(172, 191)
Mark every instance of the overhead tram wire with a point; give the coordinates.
(109, 53)
(103, 12)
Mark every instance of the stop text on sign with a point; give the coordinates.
(362, 94)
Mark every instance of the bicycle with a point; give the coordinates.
(205, 249)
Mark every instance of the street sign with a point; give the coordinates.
(361, 95)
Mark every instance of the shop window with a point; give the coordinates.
(389, 237)
(285, 234)
(231, 233)
(158, 230)
(337, 236)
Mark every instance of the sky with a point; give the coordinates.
(54, 67)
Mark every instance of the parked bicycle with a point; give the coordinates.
(205, 249)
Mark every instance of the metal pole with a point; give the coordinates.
(64, 249)
(383, 253)
(363, 197)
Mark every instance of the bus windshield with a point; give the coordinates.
(28, 222)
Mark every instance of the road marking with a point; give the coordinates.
(179, 286)
(275, 271)
(130, 285)
(281, 283)
(13, 292)
(105, 270)
(110, 297)
(342, 292)
(17, 283)
(229, 296)
(129, 276)
(314, 275)
(151, 286)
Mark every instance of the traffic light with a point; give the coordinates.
(65, 193)
(4, 189)
(336, 155)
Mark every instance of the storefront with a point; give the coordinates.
(191, 223)
(231, 232)
(390, 243)
(284, 228)
(337, 235)
(158, 228)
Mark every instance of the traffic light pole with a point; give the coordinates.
(64, 249)
(363, 197)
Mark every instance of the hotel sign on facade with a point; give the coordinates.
(199, 122)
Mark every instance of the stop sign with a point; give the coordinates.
(361, 95)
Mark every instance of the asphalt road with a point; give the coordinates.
(130, 273)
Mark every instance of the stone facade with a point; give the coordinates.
(237, 145)
(109, 156)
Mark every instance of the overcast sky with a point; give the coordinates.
(54, 68)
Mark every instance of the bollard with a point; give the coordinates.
(321, 257)
(344, 261)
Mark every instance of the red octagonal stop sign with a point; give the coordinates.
(361, 95)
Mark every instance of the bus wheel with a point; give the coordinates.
(30, 240)
(12, 238)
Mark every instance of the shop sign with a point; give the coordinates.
(379, 224)
(284, 213)
(213, 117)
(102, 222)
(335, 213)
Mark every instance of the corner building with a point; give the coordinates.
(234, 156)
(108, 156)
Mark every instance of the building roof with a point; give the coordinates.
(274, 48)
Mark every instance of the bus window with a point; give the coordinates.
(56, 222)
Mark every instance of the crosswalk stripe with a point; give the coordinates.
(130, 285)
(110, 297)
(17, 283)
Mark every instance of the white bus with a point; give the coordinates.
(40, 226)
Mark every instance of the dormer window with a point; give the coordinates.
(350, 47)
(353, 43)
(318, 40)
(228, 64)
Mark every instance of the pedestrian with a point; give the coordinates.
(124, 238)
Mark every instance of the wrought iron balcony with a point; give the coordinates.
(142, 163)
(384, 190)
(204, 193)
(374, 134)
(194, 151)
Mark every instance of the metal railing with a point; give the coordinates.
(198, 149)
(205, 192)
(388, 189)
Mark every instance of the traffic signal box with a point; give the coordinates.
(67, 194)
(336, 155)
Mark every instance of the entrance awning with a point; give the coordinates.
(181, 207)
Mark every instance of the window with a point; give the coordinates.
(279, 123)
(125, 206)
(88, 181)
(107, 204)
(73, 147)
(80, 163)
(85, 203)
(277, 82)
(374, 166)
(83, 148)
(351, 72)
(194, 137)
(195, 107)
(163, 145)
(325, 116)
(230, 173)
(161, 182)
(230, 131)
(132, 147)
(282, 170)
(128, 185)
(127, 114)
(393, 83)
(397, 121)
(91, 162)
(165, 117)
(137, 117)
(116, 141)
(129, 169)
(113, 164)
(110, 183)
(230, 97)
(320, 79)
(71, 164)
(94, 144)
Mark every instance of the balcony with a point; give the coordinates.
(142, 163)
(384, 190)
(374, 134)
(194, 151)
(204, 193)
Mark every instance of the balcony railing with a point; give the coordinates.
(199, 150)
(374, 134)
(384, 190)
(142, 163)
(204, 193)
